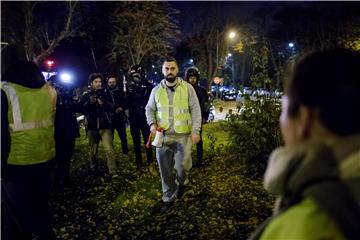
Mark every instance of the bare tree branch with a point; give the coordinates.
(143, 30)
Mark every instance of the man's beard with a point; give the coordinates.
(170, 78)
(112, 87)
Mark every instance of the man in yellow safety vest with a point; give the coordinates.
(174, 109)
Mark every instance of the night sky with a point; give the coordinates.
(76, 54)
(191, 13)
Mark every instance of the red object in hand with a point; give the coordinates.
(148, 144)
(148, 141)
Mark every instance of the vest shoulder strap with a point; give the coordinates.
(336, 199)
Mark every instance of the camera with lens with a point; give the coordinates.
(97, 93)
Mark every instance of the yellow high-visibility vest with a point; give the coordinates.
(31, 123)
(181, 114)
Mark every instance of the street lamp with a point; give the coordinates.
(292, 49)
(228, 37)
(232, 35)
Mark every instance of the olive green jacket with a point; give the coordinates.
(317, 185)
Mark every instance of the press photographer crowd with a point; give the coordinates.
(315, 175)
(37, 151)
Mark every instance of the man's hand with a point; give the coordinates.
(119, 109)
(195, 138)
(99, 101)
(153, 128)
(93, 99)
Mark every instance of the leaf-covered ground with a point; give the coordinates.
(220, 202)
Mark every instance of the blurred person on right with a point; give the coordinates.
(316, 175)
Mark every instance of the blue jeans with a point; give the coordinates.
(174, 154)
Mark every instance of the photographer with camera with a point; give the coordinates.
(66, 129)
(118, 118)
(98, 106)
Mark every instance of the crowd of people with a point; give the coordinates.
(36, 112)
(313, 174)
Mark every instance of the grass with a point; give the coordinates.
(220, 202)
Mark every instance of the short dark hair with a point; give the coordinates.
(111, 76)
(327, 81)
(170, 59)
(93, 76)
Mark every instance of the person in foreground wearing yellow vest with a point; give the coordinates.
(27, 146)
(316, 175)
(173, 106)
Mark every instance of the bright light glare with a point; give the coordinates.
(191, 60)
(232, 34)
(229, 54)
(291, 44)
(65, 77)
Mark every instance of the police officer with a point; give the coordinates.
(118, 117)
(192, 76)
(27, 146)
(138, 90)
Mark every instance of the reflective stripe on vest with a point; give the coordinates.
(30, 115)
(181, 114)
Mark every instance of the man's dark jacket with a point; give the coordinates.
(203, 101)
(119, 100)
(137, 96)
(98, 116)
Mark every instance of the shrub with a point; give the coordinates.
(254, 133)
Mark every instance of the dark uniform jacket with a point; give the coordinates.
(66, 126)
(97, 116)
(203, 101)
(138, 94)
(119, 100)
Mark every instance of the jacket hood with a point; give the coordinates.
(291, 168)
(24, 73)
